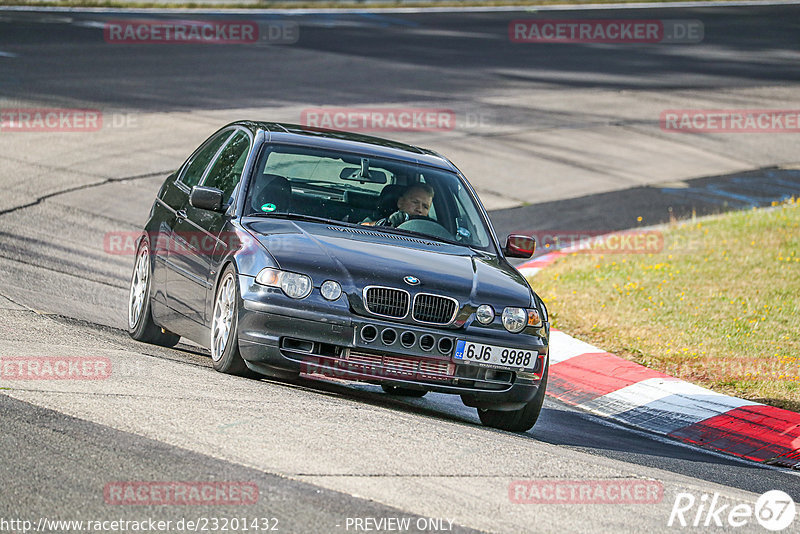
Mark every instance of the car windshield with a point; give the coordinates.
(385, 194)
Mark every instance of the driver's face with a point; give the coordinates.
(415, 202)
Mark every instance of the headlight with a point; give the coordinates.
(485, 314)
(515, 319)
(330, 290)
(297, 286)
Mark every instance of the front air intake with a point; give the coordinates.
(434, 309)
(386, 301)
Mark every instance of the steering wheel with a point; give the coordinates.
(425, 225)
(421, 218)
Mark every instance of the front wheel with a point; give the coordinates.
(140, 319)
(225, 354)
(520, 420)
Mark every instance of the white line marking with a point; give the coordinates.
(664, 405)
(663, 439)
(90, 24)
(563, 347)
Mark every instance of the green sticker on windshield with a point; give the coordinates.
(269, 207)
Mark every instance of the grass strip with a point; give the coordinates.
(719, 306)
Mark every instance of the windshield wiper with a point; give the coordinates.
(418, 235)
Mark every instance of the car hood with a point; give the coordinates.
(357, 258)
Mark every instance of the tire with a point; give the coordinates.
(520, 420)
(140, 319)
(402, 392)
(225, 354)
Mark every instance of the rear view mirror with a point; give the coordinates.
(364, 174)
(519, 246)
(206, 198)
(352, 173)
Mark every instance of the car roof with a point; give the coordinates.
(347, 141)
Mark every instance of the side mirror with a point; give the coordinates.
(519, 246)
(206, 198)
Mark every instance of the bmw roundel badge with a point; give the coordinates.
(411, 280)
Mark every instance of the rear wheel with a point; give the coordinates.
(225, 354)
(140, 320)
(520, 420)
(402, 392)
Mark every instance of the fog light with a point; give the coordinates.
(330, 290)
(485, 314)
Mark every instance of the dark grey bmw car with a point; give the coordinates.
(291, 251)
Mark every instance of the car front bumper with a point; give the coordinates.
(317, 339)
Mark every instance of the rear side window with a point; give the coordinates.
(227, 170)
(197, 166)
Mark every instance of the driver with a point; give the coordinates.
(414, 202)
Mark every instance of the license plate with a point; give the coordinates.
(494, 356)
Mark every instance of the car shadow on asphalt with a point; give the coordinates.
(564, 426)
(558, 425)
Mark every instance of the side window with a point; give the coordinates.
(468, 220)
(227, 170)
(196, 168)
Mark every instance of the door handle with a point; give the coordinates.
(181, 214)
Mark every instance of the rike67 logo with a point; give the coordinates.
(775, 511)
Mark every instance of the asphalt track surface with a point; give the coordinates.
(321, 453)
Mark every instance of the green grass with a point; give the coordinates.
(718, 306)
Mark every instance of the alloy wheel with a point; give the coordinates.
(224, 308)
(139, 280)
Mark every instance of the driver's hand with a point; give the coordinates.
(396, 219)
